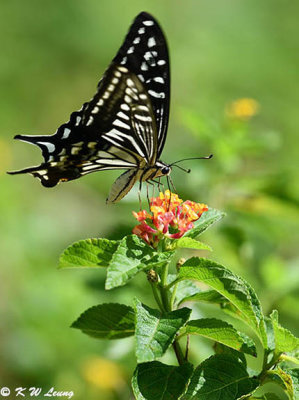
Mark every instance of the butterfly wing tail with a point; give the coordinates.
(44, 142)
(38, 171)
(29, 170)
(41, 172)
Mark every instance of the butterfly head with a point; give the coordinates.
(162, 169)
(165, 170)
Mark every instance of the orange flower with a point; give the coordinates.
(167, 211)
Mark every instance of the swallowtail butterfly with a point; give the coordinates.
(124, 126)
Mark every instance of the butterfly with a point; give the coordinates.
(123, 126)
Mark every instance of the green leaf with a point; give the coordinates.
(185, 289)
(220, 348)
(285, 341)
(294, 375)
(220, 331)
(107, 321)
(266, 396)
(270, 333)
(189, 243)
(220, 377)
(88, 253)
(229, 285)
(155, 331)
(157, 381)
(132, 255)
(257, 308)
(284, 380)
(213, 297)
(207, 219)
(208, 296)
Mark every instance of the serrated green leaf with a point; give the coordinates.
(88, 253)
(208, 296)
(132, 255)
(213, 297)
(270, 396)
(219, 331)
(266, 396)
(155, 331)
(257, 308)
(157, 381)
(230, 286)
(282, 379)
(270, 333)
(107, 321)
(189, 243)
(185, 289)
(220, 348)
(220, 377)
(294, 375)
(207, 219)
(285, 341)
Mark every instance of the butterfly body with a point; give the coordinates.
(123, 126)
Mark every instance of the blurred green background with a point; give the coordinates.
(235, 72)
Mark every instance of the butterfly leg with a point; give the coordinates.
(169, 188)
(160, 185)
(147, 194)
(157, 182)
(154, 187)
(139, 194)
(172, 184)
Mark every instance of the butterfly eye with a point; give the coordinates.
(165, 170)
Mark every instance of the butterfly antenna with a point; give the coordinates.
(192, 158)
(188, 170)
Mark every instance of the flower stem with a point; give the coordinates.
(178, 352)
(187, 348)
(164, 290)
(156, 296)
(173, 296)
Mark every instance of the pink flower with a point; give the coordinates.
(167, 211)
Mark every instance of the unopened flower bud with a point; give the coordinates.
(152, 276)
(180, 262)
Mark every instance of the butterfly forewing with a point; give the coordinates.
(144, 52)
(122, 109)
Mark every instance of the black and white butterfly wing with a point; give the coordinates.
(145, 53)
(115, 130)
(124, 125)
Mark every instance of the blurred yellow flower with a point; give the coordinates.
(104, 374)
(244, 108)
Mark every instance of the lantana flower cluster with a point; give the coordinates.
(169, 217)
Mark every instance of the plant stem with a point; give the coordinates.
(187, 348)
(156, 296)
(178, 352)
(173, 296)
(164, 290)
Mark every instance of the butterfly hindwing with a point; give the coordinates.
(115, 130)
